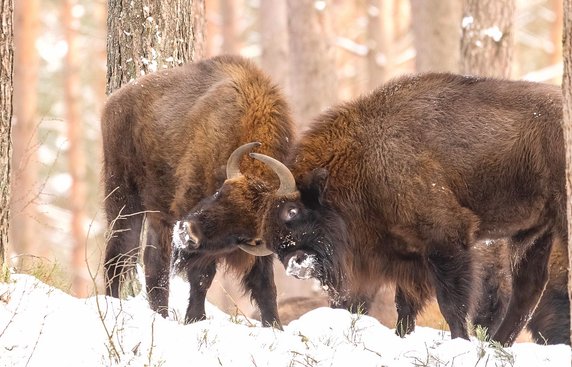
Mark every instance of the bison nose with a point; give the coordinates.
(300, 265)
(183, 235)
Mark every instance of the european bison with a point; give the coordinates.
(167, 137)
(398, 185)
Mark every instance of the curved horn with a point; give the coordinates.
(287, 181)
(233, 163)
(256, 250)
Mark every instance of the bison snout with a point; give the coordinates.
(300, 265)
(183, 236)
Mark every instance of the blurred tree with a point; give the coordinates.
(228, 13)
(313, 81)
(436, 32)
(487, 37)
(6, 75)
(567, 126)
(274, 40)
(76, 155)
(380, 36)
(145, 36)
(25, 188)
(556, 31)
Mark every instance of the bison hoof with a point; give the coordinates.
(183, 238)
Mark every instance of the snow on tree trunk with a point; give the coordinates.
(436, 34)
(6, 75)
(148, 35)
(567, 126)
(487, 37)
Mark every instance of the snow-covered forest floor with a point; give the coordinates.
(43, 326)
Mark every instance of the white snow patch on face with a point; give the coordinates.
(302, 270)
(180, 241)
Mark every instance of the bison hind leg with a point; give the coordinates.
(550, 323)
(529, 279)
(123, 246)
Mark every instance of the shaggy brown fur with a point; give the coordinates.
(398, 185)
(167, 137)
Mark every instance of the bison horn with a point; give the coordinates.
(233, 163)
(256, 250)
(287, 181)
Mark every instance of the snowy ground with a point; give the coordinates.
(42, 326)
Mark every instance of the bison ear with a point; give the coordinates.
(316, 183)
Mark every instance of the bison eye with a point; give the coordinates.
(289, 212)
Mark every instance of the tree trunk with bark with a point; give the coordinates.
(436, 31)
(313, 81)
(567, 127)
(147, 35)
(24, 171)
(487, 37)
(6, 85)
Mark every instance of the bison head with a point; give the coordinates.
(226, 219)
(301, 226)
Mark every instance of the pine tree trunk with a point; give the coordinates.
(147, 35)
(313, 81)
(76, 156)
(380, 33)
(274, 41)
(6, 75)
(487, 37)
(436, 34)
(567, 126)
(24, 176)
(230, 38)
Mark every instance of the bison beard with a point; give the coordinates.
(417, 172)
(167, 137)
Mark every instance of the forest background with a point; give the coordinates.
(57, 229)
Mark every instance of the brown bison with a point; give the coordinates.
(166, 138)
(398, 186)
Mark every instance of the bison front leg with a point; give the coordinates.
(157, 256)
(408, 308)
(260, 282)
(200, 280)
(528, 283)
(452, 270)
